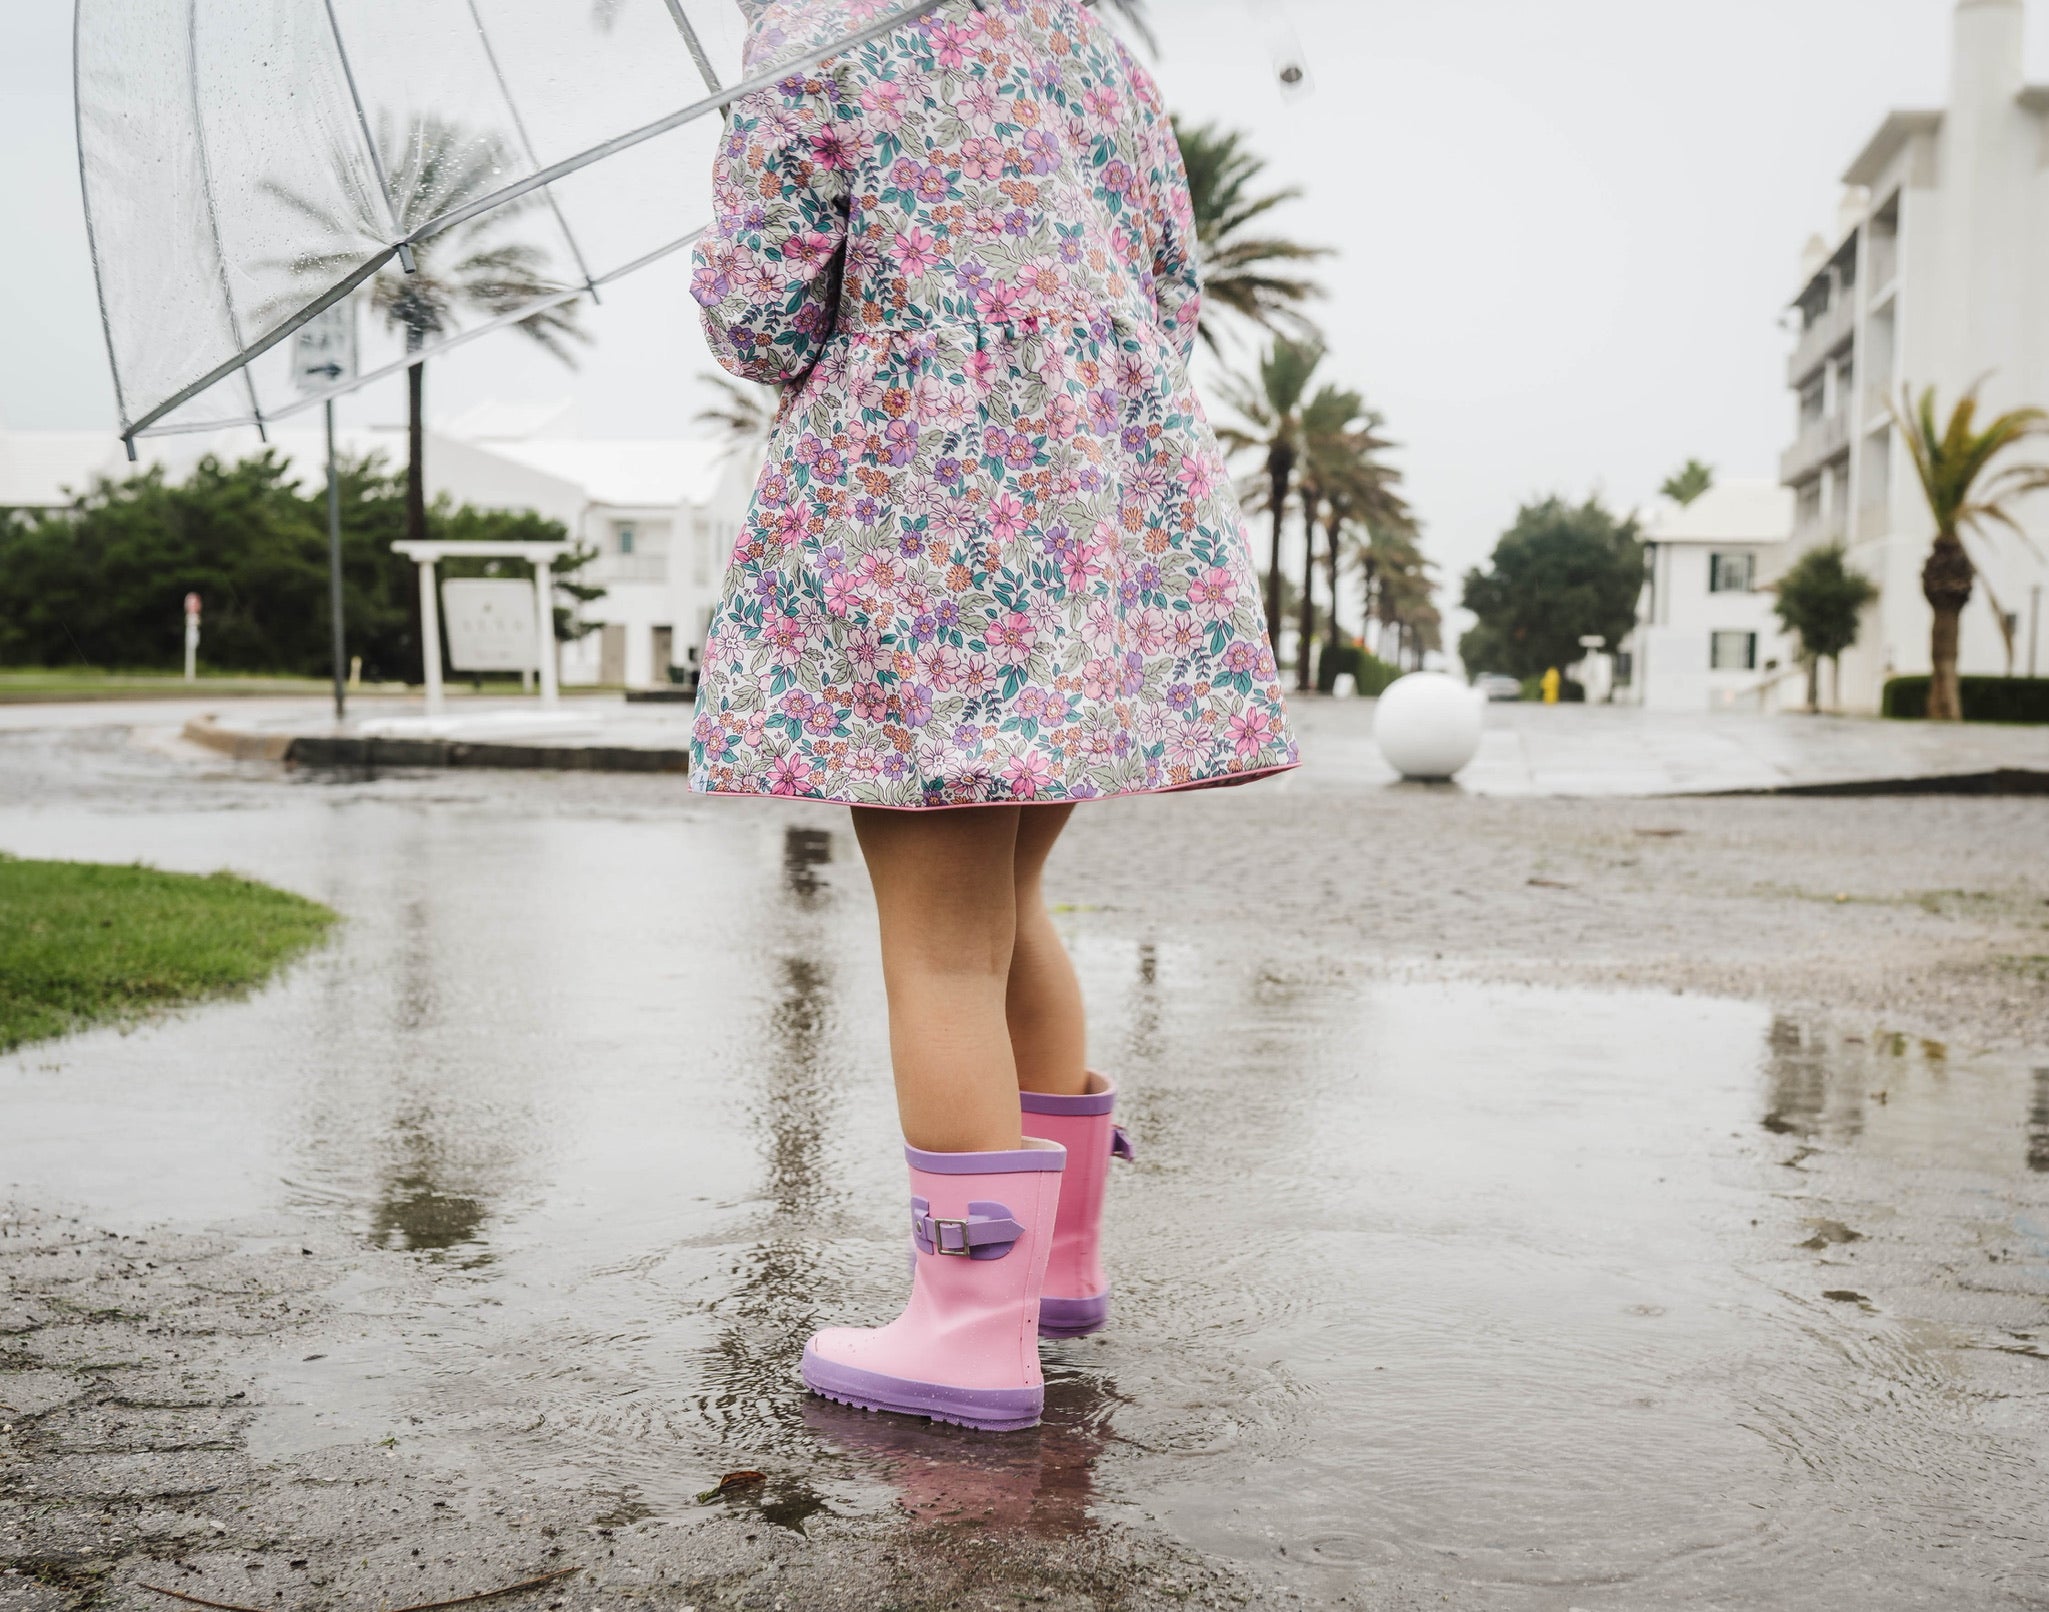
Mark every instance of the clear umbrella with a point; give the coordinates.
(455, 166)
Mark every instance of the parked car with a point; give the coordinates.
(1497, 687)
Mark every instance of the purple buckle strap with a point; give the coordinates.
(988, 1232)
(1120, 1144)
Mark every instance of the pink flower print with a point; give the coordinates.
(809, 250)
(842, 595)
(1198, 476)
(1188, 744)
(932, 183)
(1188, 636)
(916, 252)
(941, 666)
(884, 104)
(952, 43)
(832, 150)
(981, 158)
(1001, 304)
(871, 702)
(1099, 678)
(1010, 639)
(790, 774)
(1214, 594)
(1008, 518)
(977, 675)
(786, 639)
(880, 570)
(821, 720)
(1027, 774)
(864, 761)
(1154, 630)
(1020, 452)
(789, 526)
(1239, 656)
(1250, 730)
(982, 106)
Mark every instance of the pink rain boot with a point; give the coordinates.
(966, 1348)
(1077, 1296)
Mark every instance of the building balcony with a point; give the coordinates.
(1820, 339)
(1875, 404)
(1825, 440)
(1885, 263)
(631, 568)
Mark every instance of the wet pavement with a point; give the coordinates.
(1430, 1291)
(1526, 749)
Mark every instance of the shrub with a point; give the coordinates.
(1371, 672)
(1986, 699)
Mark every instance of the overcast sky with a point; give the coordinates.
(1567, 228)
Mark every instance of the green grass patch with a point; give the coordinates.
(84, 943)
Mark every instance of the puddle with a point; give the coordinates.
(1522, 1298)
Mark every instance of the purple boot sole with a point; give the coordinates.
(990, 1410)
(1073, 1318)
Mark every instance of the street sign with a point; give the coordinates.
(491, 624)
(324, 350)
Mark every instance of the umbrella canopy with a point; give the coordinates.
(446, 167)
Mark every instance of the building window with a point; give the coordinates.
(626, 536)
(1732, 573)
(1733, 652)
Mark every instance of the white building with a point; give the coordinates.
(1706, 638)
(662, 514)
(1937, 274)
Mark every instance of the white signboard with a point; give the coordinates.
(491, 625)
(324, 349)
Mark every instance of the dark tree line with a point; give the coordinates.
(102, 583)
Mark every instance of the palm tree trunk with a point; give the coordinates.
(1305, 667)
(416, 482)
(1814, 682)
(1331, 526)
(1946, 584)
(1280, 472)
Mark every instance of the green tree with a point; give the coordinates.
(1821, 599)
(434, 166)
(102, 583)
(1271, 409)
(1247, 275)
(1560, 573)
(1688, 482)
(1965, 495)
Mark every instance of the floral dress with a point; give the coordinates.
(994, 555)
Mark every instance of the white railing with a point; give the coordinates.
(1821, 338)
(1828, 438)
(632, 568)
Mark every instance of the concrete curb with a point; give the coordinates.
(307, 751)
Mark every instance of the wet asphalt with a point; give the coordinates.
(1429, 1291)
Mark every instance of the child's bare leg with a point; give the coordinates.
(946, 896)
(1048, 1028)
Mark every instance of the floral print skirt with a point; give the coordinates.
(990, 563)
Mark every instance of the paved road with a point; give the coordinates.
(485, 1241)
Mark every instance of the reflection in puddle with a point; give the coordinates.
(1488, 1296)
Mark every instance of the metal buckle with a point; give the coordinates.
(939, 1239)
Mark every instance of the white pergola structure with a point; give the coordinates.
(541, 556)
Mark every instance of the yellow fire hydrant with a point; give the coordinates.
(1551, 684)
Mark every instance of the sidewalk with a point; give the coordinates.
(1565, 750)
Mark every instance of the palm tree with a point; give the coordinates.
(1344, 476)
(742, 412)
(1954, 462)
(1272, 412)
(434, 165)
(1688, 482)
(1247, 276)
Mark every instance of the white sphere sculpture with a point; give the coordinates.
(1428, 725)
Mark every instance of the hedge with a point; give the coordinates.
(1985, 699)
(1373, 673)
